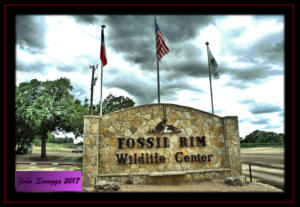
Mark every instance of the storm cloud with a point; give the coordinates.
(183, 27)
(269, 49)
(243, 78)
(87, 19)
(260, 108)
(260, 121)
(252, 73)
(134, 35)
(169, 90)
(29, 67)
(264, 108)
(144, 92)
(186, 69)
(30, 31)
(254, 60)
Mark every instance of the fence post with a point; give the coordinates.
(250, 173)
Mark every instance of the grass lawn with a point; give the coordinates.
(245, 145)
(54, 147)
(78, 168)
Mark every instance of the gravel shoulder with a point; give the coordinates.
(205, 186)
(212, 186)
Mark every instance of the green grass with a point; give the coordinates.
(51, 149)
(245, 145)
(54, 147)
(79, 168)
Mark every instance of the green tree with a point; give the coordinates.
(24, 136)
(50, 138)
(48, 106)
(258, 136)
(114, 103)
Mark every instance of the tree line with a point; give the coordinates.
(66, 140)
(263, 137)
(44, 107)
(52, 139)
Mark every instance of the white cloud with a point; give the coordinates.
(256, 30)
(69, 135)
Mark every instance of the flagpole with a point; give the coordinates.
(161, 50)
(209, 71)
(92, 89)
(101, 89)
(157, 67)
(103, 26)
(158, 85)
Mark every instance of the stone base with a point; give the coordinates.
(106, 186)
(170, 177)
(239, 180)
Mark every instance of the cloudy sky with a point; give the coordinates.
(249, 51)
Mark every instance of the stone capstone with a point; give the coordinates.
(239, 180)
(106, 186)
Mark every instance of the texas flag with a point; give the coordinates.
(102, 50)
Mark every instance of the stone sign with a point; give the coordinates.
(160, 143)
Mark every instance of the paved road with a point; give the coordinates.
(45, 167)
(270, 165)
(264, 159)
(52, 157)
(266, 155)
(271, 176)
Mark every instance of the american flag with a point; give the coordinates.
(102, 50)
(161, 47)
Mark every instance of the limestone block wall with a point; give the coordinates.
(128, 142)
(90, 150)
(232, 156)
